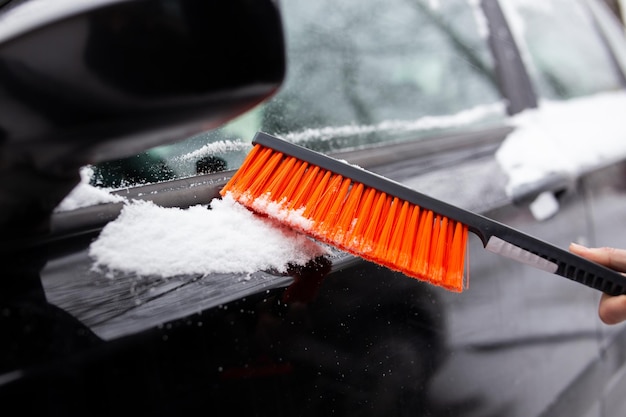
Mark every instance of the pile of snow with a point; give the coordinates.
(226, 238)
(147, 239)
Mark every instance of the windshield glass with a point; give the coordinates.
(359, 73)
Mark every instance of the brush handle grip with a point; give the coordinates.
(517, 245)
(496, 237)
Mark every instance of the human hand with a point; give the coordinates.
(612, 309)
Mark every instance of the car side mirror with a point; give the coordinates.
(95, 80)
(109, 78)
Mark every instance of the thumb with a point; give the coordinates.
(612, 310)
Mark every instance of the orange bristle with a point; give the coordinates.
(352, 217)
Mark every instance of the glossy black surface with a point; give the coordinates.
(280, 352)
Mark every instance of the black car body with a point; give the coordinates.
(338, 336)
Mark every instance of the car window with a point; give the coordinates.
(359, 73)
(612, 28)
(562, 48)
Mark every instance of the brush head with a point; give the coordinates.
(331, 206)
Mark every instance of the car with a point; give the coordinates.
(131, 286)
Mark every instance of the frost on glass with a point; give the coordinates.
(380, 64)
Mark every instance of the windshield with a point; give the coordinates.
(358, 74)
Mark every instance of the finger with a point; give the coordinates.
(612, 309)
(611, 257)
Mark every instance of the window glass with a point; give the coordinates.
(362, 73)
(565, 54)
(613, 30)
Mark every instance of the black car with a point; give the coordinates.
(121, 120)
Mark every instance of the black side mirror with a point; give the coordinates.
(110, 78)
(122, 76)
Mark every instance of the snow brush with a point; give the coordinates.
(386, 222)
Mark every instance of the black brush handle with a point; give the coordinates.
(514, 244)
(495, 236)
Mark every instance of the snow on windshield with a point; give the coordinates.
(463, 118)
(566, 138)
(85, 195)
(221, 146)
